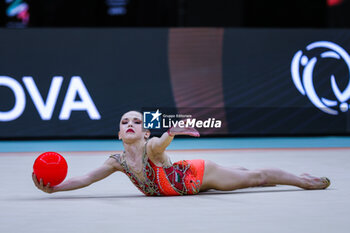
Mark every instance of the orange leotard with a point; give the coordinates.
(181, 178)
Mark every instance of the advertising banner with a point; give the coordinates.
(77, 83)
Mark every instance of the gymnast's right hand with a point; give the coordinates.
(40, 185)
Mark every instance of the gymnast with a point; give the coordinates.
(148, 166)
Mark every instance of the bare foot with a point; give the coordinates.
(312, 182)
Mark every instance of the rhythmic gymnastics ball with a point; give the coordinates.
(51, 167)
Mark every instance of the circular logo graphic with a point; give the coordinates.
(302, 69)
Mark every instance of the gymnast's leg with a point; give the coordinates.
(226, 179)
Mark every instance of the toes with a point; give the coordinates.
(312, 182)
(326, 182)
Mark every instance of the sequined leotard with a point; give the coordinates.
(181, 178)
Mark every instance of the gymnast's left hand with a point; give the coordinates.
(177, 130)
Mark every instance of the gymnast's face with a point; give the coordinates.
(130, 127)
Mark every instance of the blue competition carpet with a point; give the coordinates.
(178, 144)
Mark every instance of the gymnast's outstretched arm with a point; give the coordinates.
(109, 167)
(159, 145)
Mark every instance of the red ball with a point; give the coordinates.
(51, 167)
